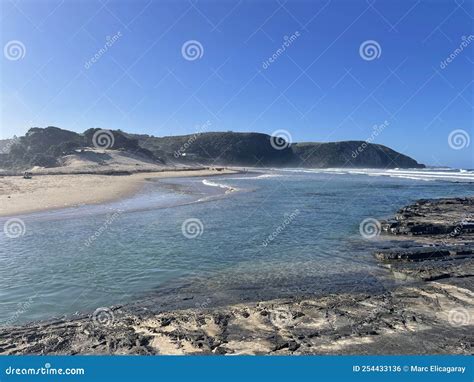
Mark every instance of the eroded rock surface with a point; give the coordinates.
(431, 318)
(451, 217)
(432, 312)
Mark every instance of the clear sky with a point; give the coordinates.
(320, 87)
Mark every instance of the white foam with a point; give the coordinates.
(412, 177)
(220, 185)
(452, 175)
(263, 176)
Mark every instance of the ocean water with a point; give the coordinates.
(203, 241)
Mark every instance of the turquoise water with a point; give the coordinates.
(280, 233)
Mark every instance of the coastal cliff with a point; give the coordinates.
(256, 149)
(52, 147)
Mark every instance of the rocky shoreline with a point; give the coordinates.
(439, 236)
(430, 247)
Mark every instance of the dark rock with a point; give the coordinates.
(414, 254)
(220, 350)
(290, 345)
(449, 216)
(166, 321)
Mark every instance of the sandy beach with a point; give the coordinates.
(43, 192)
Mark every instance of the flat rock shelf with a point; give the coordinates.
(431, 312)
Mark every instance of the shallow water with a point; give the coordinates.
(279, 233)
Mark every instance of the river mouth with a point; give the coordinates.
(186, 242)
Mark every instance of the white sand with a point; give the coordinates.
(43, 192)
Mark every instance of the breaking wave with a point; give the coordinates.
(220, 185)
(443, 174)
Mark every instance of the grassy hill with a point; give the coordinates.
(47, 147)
(255, 149)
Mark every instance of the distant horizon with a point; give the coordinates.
(322, 71)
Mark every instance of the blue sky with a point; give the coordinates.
(320, 88)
